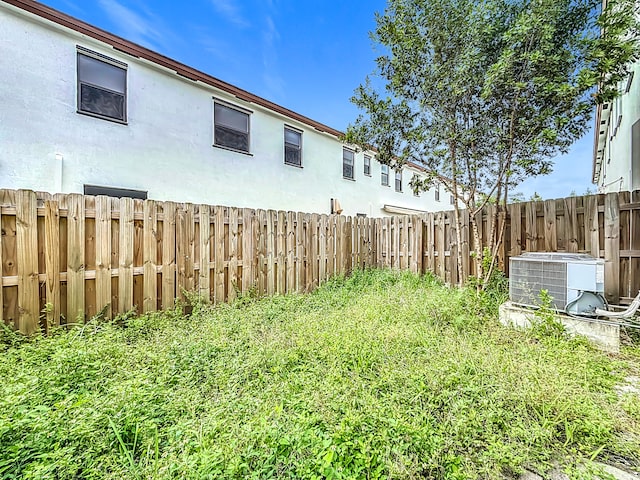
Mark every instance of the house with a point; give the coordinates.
(85, 111)
(616, 152)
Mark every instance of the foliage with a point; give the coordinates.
(545, 324)
(483, 94)
(378, 375)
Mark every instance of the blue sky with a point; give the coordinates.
(307, 55)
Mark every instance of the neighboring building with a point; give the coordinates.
(616, 152)
(82, 110)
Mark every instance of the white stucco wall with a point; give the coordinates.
(166, 147)
(616, 172)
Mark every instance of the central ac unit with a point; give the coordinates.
(570, 278)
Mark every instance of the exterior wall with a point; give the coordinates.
(166, 147)
(620, 164)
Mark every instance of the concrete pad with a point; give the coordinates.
(527, 475)
(619, 474)
(557, 474)
(603, 335)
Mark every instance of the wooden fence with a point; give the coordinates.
(65, 258)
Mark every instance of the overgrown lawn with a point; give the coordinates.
(381, 375)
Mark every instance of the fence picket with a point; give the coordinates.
(150, 288)
(27, 242)
(300, 280)
(571, 224)
(271, 252)
(125, 267)
(247, 250)
(168, 254)
(290, 241)
(204, 274)
(261, 246)
(232, 273)
(281, 245)
(103, 255)
(75, 258)
(314, 250)
(322, 255)
(550, 230)
(52, 264)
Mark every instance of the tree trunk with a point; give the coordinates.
(477, 247)
(456, 214)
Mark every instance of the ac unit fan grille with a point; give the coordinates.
(529, 277)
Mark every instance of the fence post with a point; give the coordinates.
(612, 248)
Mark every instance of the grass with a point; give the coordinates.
(381, 375)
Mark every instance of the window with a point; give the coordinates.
(102, 86)
(114, 192)
(452, 199)
(437, 193)
(629, 80)
(384, 175)
(367, 165)
(292, 147)
(398, 180)
(347, 163)
(231, 128)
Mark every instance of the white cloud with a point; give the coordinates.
(229, 10)
(270, 76)
(143, 27)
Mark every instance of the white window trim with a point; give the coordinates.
(382, 167)
(297, 130)
(364, 164)
(80, 50)
(353, 164)
(232, 106)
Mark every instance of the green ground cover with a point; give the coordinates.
(381, 375)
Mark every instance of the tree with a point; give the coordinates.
(483, 93)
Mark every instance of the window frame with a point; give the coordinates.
(353, 163)
(82, 51)
(231, 106)
(436, 193)
(367, 165)
(396, 180)
(384, 172)
(299, 132)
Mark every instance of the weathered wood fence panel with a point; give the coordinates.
(65, 258)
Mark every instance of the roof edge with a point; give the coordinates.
(596, 141)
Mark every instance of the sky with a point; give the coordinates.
(306, 55)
